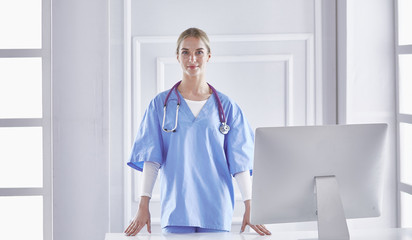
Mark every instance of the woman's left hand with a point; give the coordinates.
(260, 229)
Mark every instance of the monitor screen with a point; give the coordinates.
(288, 159)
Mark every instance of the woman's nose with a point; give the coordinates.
(192, 58)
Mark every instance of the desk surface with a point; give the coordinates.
(378, 234)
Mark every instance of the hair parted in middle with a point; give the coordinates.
(196, 33)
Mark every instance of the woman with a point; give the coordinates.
(199, 139)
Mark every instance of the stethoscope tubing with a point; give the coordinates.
(222, 116)
(177, 94)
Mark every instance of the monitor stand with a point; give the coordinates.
(331, 217)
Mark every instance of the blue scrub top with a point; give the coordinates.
(197, 161)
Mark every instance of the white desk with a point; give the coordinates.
(379, 234)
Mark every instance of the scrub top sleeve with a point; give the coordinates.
(148, 143)
(239, 143)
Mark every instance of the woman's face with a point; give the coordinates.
(193, 56)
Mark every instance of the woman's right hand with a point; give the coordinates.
(142, 218)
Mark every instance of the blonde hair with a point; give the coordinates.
(193, 32)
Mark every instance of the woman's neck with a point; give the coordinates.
(194, 89)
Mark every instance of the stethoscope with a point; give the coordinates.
(224, 128)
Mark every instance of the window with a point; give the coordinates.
(25, 120)
(404, 109)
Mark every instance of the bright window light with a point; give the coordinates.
(21, 218)
(20, 88)
(406, 210)
(21, 157)
(405, 133)
(404, 22)
(405, 83)
(20, 24)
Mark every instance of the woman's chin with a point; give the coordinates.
(192, 73)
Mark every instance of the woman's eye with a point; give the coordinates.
(184, 52)
(199, 52)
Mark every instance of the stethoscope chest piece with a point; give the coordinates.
(224, 128)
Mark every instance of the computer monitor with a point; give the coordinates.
(324, 173)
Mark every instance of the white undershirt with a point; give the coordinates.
(195, 106)
(149, 176)
(151, 169)
(244, 182)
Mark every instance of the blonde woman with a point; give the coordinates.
(198, 138)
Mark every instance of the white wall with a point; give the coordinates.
(368, 94)
(80, 80)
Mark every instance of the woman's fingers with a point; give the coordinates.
(263, 229)
(130, 228)
(256, 229)
(137, 230)
(142, 218)
(244, 224)
(260, 229)
(133, 228)
(149, 226)
(242, 229)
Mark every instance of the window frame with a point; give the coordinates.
(400, 118)
(45, 122)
